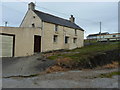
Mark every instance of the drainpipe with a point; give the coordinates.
(42, 36)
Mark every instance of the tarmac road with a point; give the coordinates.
(27, 66)
(24, 66)
(70, 79)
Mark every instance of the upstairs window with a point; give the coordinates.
(56, 28)
(66, 39)
(74, 40)
(55, 38)
(75, 32)
(33, 25)
(33, 16)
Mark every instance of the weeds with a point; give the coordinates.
(88, 56)
(109, 75)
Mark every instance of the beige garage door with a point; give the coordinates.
(6, 46)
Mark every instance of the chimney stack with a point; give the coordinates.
(72, 19)
(31, 6)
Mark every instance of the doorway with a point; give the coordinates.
(37, 44)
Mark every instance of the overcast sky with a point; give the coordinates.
(87, 14)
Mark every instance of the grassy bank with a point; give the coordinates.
(88, 56)
(109, 75)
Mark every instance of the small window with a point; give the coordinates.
(75, 32)
(66, 40)
(74, 40)
(33, 25)
(56, 28)
(33, 16)
(114, 35)
(55, 38)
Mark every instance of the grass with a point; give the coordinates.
(87, 51)
(85, 57)
(109, 75)
(90, 41)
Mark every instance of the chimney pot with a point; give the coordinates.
(31, 6)
(72, 19)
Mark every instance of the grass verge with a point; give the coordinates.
(109, 75)
(88, 56)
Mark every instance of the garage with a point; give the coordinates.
(7, 42)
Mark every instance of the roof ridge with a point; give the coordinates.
(53, 15)
(56, 20)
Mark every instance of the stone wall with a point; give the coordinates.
(49, 32)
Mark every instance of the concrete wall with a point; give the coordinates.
(24, 39)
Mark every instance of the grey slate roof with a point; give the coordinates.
(56, 20)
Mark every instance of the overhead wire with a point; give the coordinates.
(87, 20)
(79, 19)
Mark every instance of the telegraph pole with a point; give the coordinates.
(6, 23)
(100, 31)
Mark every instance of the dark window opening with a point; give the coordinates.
(55, 38)
(74, 40)
(33, 25)
(75, 32)
(56, 28)
(66, 40)
(33, 16)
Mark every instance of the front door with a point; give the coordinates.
(37, 43)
